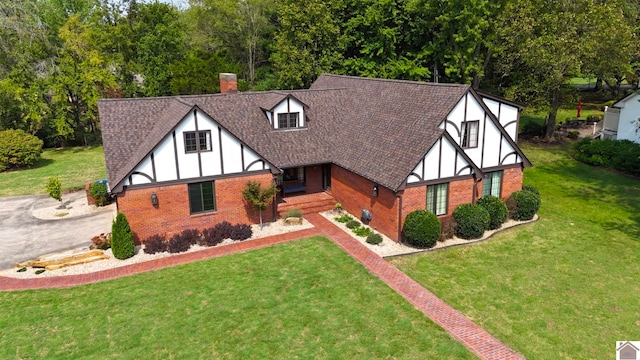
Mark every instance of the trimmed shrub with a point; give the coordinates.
(497, 210)
(155, 244)
(296, 213)
(191, 236)
(362, 231)
(531, 188)
(448, 225)
(623, 155)
(472, 219)
(523, 205)
(211, 237)
(99, 193)
(374, 239)
(224, 228)
(178, 244)
(122, 238)
(421, 229)
(18, 149)
(54, 188)
(352, 224)
(102, 241)
(344, 218)
(241, 232)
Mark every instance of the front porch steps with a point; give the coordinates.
(308, 203)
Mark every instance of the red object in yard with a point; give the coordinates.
(579, 108)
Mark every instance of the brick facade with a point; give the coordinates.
(511, 181)
(172, 214)
(355, 193)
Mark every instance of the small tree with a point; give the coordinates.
(54, 188)
(257, 196)
(122, 238)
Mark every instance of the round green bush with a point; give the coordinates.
(530, 188)
(523, 205)
(374, 239)
(472, 219)
(497, 210)
(352, 224)
(99, 193)
(122, 238)
(18, 149)
(421, 229)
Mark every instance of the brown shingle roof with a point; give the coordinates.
(379, 129)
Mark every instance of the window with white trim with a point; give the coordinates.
(437, 196)
(288, 120)
(492, 183)
(470, 134)
(202, 197)
(197, 141)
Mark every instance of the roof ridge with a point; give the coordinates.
(415, 82)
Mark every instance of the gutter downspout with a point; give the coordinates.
(475, 188)
(399, 218)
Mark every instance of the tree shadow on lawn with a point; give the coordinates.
(581, 181)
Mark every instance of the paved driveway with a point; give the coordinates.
(23, 237)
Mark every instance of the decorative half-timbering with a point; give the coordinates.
(287, 114)
(384, 146)
(478, 132)
(444, 160)
(197, 147)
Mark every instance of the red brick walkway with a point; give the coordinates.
(455, 323)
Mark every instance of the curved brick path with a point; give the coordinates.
(455, 323)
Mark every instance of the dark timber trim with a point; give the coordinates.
(141, 174)
(175, 155)
(153, 167)
(196, 180)
(220, 146)
(439, 181)
(195, 119)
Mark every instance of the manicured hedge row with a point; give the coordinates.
(622, 155)
(497, 210)
(473, 221)
(208, 237)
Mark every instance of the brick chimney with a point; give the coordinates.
(228, 83)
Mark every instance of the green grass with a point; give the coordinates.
(74, 167)
(538, 116)
(305, 299)
(565, 287)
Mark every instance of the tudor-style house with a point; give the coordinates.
(385, 146)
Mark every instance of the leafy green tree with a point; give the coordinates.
(259, 197)
(377, 35)
(241, 27)
(308, 41)
(159, 42)
(542, 45)
(81, 78)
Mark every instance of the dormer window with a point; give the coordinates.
(197, 141)
(288, 120)
(470, 134)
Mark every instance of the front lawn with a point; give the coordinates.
(565, 287)
(74, 167)
(306, 299)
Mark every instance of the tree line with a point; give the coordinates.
(57, 57)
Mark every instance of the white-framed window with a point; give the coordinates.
(437, 198)
(492, 183)
(288, 120)
(197, 141)
(470, 134)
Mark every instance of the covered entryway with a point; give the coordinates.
(307, 203)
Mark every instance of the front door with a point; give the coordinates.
(326, 176)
